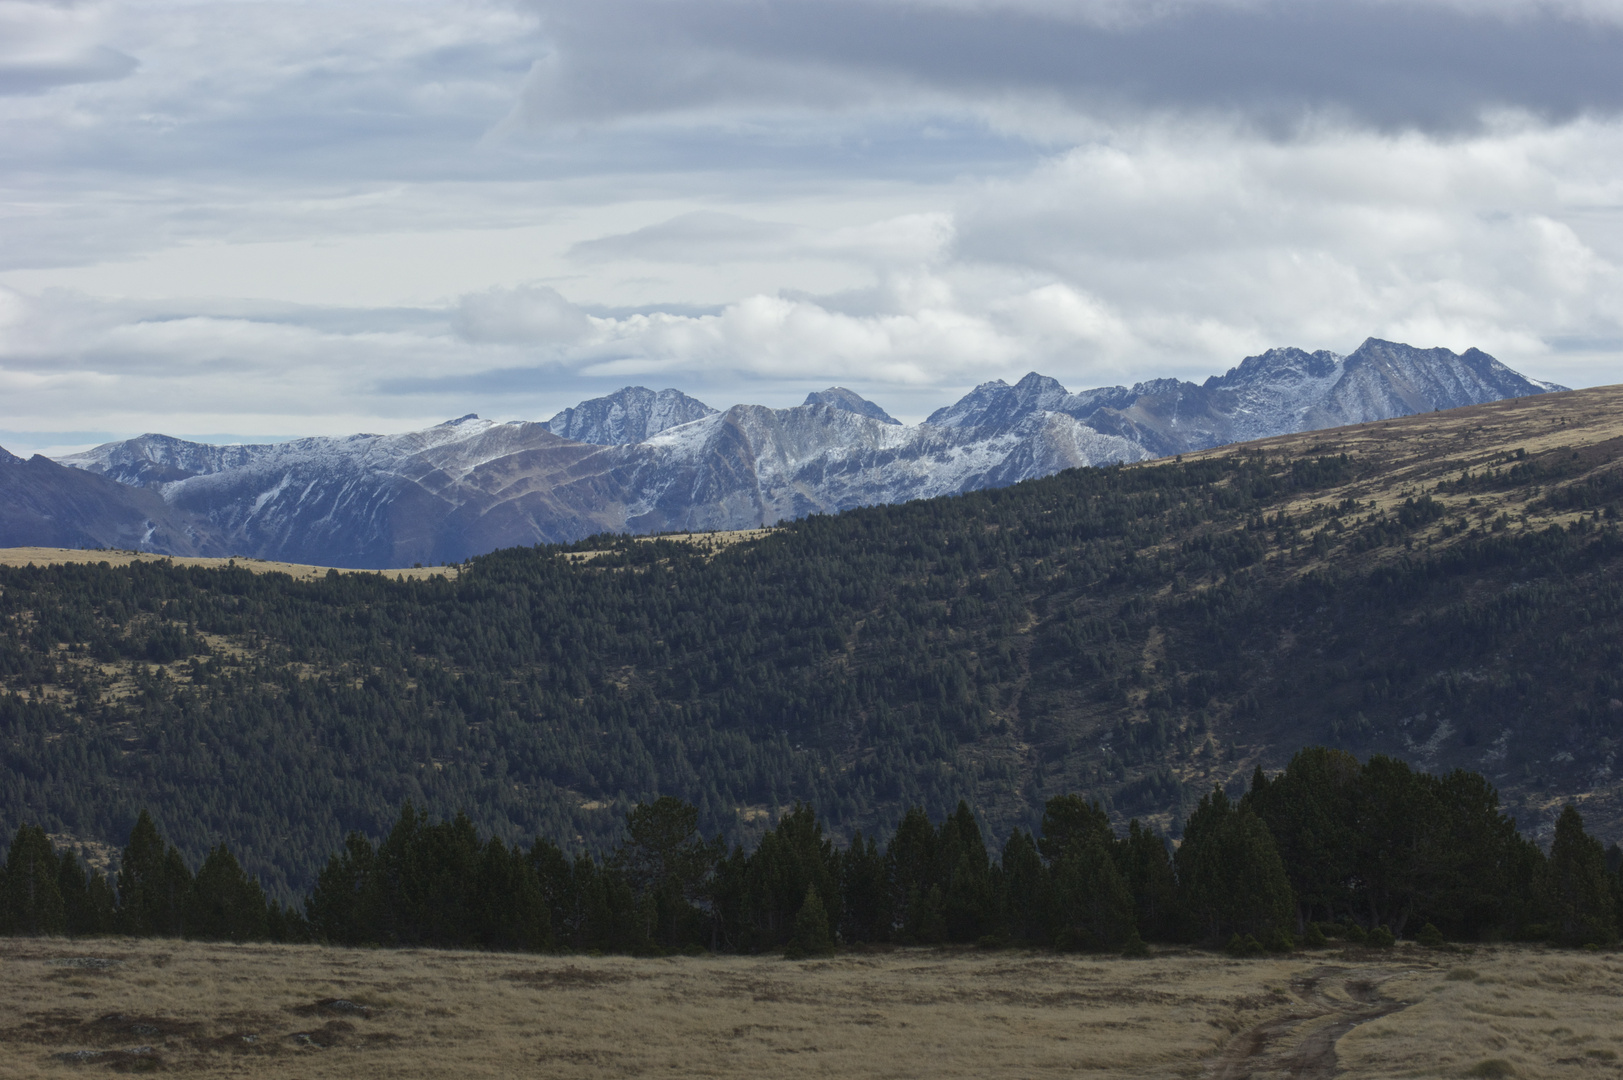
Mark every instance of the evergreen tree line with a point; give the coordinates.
(1330, 846)
(45, 891)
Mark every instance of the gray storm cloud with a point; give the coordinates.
(1431, 66)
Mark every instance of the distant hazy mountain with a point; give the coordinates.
(43, 504)
(1280, 392)
(645, 461)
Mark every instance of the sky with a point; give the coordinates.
(244, 220)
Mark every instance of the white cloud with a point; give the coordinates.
(529, 313)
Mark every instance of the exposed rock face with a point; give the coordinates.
(628, 416)
(643, 461)
(1277, 393)
(850, 401)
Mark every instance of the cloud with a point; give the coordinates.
(700, 234)
(45, 45)
(712, 235)
(405, 211)
(1433, 66)
(30, 74)
(529, 313)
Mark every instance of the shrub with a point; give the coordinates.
(1430, 937)
(1380, 938)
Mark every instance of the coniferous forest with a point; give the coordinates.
(1129, 636)
(1329, 847)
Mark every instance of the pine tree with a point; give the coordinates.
(1231, 879)
(1396, 823)
(87, 898)
(811, 936)
(1071, 824)
(912, 860)
(341, 907)
(508, 909)
(1578, 886)
(791, 857)
(1093, 908)
(225, 904)
(1025, 890)
(1309, 811)
(667, 866)
(865, 892)
(30, 900)
(152, 884)
(1147, 869)
(969, 906)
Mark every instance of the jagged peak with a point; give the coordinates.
(1320, 363)
(1152, 387)
(839, 397)
(1033, 383)
(997, 402)
(631, 414)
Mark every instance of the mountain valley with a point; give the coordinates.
(1442, 587)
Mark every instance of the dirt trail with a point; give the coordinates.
(1301, 1043)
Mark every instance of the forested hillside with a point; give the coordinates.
(1441, 588)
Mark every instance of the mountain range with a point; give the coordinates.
(642, 461)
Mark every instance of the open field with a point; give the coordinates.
(41, 556)
(707, 542)
(74, 1007)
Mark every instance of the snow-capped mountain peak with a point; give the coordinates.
(840, 398)
(640, 460)
(629, 415)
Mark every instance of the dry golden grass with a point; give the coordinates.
(42, 556)
(196, 1009)
(708, 543)
(1405, 457)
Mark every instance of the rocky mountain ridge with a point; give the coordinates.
(645, 461)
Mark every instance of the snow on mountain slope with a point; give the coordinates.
(841, 398)
(645, 461)
(996, 404)
(1273, 393)
(754, 465)
(1289, 390)
(629, 415)
(1382, 379)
